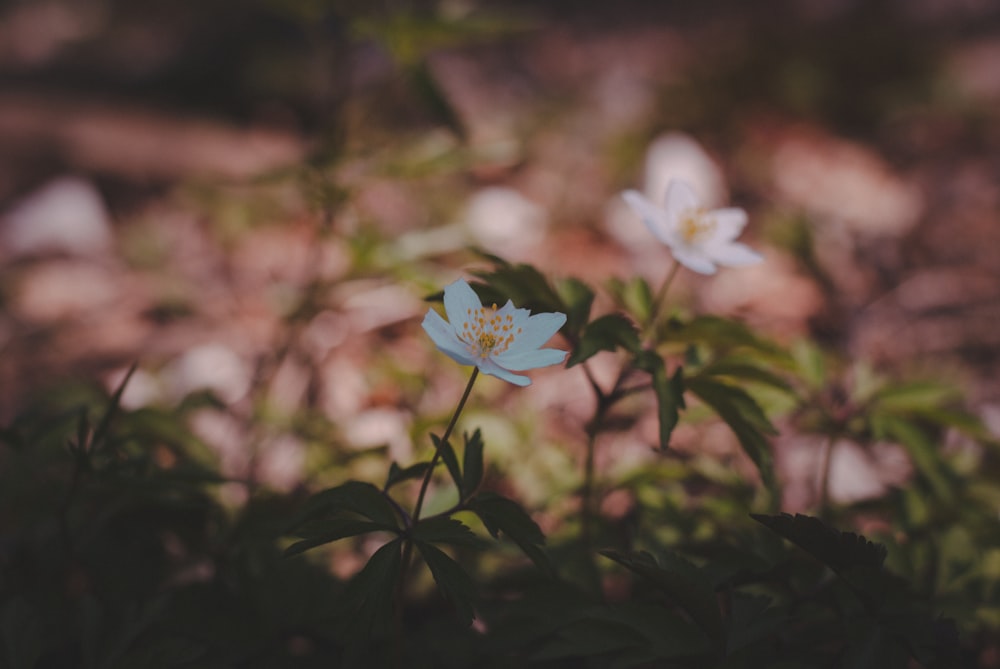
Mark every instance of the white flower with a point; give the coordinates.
(699, 239)
(497, 341)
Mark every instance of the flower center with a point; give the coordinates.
(695, 225)
(486, 333)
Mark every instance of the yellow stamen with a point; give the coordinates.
(486, 333)
(695, 224)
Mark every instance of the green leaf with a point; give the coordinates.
(933, 642)
(355, 497)
(98, 440)
(838, 550)
(500, 514)
(915, 396)
(454, 583)
(811, 363)
(450, 459)
(445, 530)
(870, 646)
(319, 532)
(472, 464)
(719, 332)
(578, 299)
(925, 453)
(737, 368)
(367, 603)
(398, 474)
(683, 582)
(856, 561)
(606, 333)
(635, 296)
(669, 393)
(752, 618)
(631, 634)
(744, 417)
(597, 634)
(963, 421)
(523, 284)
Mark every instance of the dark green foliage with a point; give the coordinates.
(500, 514)
(753, 619)
(526, 287)
(744, 416)
(332, 515)
(367, 605)
(923, 451)
(399, 474)
(318, 532)
(745, 369)
(456, 585)
(669, 392)
(578, 298)
(95, 575)
(102, 575)
(887, 624)
(355, 497)
(633, 295)
(472, 465)
(720, 333)
(783, 613)
(838, 550)
(607, 333)
(450, 459)
(628, 635)
(445, 530)
(684, 585)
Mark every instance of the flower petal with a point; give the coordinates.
(734, 254)
(680, 196)
(444, 337)
(693, 259)
(508, 310)
(654, 218)
(459, 300)
(519, 362)
(729, 223)
(487, 366)
(537, 330)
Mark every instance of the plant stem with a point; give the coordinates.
(437, 453)
(408, 544)
(654, 308)
(824, 481)
(587, 492)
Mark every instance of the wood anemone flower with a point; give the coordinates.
(497, 341)
(698, 238)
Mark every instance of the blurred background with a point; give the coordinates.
(252, 200)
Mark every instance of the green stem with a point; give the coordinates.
(603, 402)
(408, 544)
(437, 453)
(587, 493)
(654, 309)
(824, 481)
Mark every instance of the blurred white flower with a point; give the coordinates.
(67, 215)
(504, 221)
(214, 367)
(698, 238)
(675, 155)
